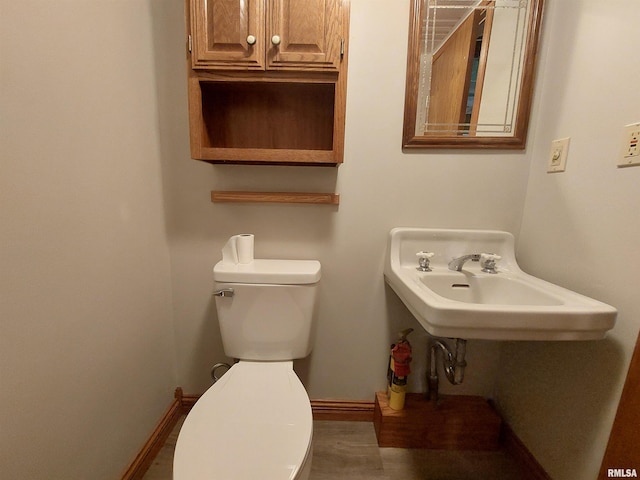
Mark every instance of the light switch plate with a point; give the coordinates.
(558, 155)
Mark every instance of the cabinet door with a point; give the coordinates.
(304, 35)
(228, 34)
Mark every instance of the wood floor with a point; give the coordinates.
(349, 451)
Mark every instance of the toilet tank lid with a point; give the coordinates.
(263, 271)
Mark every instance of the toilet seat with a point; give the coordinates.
(254, 423)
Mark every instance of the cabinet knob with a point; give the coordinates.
(276, 39)
(251, 40)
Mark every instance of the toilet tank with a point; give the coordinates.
(269, 316)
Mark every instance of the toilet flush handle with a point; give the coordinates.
(225, 292)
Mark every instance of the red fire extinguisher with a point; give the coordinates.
(399, 369)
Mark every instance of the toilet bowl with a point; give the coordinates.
(255, 423)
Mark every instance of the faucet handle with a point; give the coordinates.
(423, 261)
(488, 262)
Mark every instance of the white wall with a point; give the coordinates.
(580, 229)
(380, 188)
(86, 340)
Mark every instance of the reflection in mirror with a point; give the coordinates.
(470, 72)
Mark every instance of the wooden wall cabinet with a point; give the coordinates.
(267, 80)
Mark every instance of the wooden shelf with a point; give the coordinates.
(218, 196)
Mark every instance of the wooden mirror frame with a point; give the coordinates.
(518, 140)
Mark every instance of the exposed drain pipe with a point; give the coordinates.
(454, 364)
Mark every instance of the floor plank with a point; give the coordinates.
(349, 451)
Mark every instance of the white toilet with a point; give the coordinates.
(255, 423)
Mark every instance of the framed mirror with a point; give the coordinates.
(470, 73)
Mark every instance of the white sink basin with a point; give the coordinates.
(487, 289)
(508, 305)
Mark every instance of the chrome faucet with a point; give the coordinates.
(488, 262)
(457, 263)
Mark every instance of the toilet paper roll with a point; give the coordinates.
(230, 252)
(244, 247)
(238, 249)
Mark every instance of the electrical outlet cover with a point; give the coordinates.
(630, 148)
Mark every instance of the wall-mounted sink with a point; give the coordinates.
(487, 289)
(508, 305)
